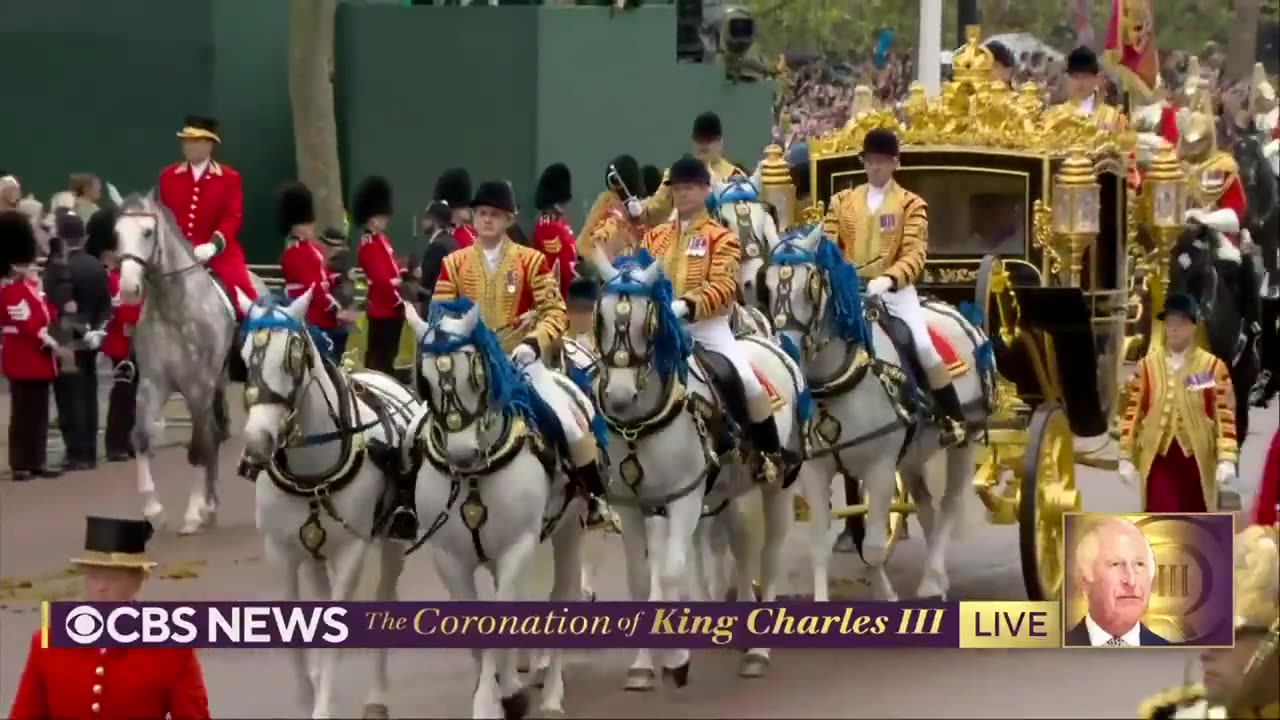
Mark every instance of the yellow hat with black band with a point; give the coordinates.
(112, 542)
(197, 127)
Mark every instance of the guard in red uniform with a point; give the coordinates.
(116, 684)
(384, 309)
(28, 352)
(207, 202)
(304, 266)
(552, 235)
(115, 340)
(454, 188)
(1267, 505)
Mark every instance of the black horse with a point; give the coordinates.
(1262, 192)
(1206, 266)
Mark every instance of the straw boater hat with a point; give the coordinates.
(197, 127)
(111, 542)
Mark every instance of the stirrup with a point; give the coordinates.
(950, 432)
(403, 524)
(767, 464)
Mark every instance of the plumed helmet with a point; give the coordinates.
(454, 187)
(17, 238)
(707, 128)
(1084, 61)
(373, 197)
(294, 206)
(495, 194)
(651, 178)
(629, 172)
(101, 230)
(555, 187)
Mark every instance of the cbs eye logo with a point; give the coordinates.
(84, 625)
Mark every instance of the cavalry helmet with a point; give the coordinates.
(373, 197)
(294, 206)
(555, 187)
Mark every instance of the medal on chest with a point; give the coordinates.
(888, 222)
(697, 246)
(1199, 381)
(511, 282)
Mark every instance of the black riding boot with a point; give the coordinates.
(765, 438)
(952, 420)
(404, 519)
(589, 478)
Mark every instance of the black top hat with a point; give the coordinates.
(294, 206)
(454, 187)
(69, 228)
(112, 542)
(199, 127)
(17, 238)
(880, 142)
(689, 169)
(583, 291)
(495, 194)
(373, 197)
(707, 128)
(1083, 60)
(334, 237)
(1002, 54)
(1181, 304)
(555, 187)
(101, 230)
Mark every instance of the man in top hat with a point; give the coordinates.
(608, 222)
(552, 234)
(1215, 194)
(519, 300)
(708, 146)
(883, 230)
(453, 188)
(1005, 63)
(207, 201)
(304, 265)
(384, 308)
(111, 684)
(1241, 681)
(1084, 87)
(1178, 435)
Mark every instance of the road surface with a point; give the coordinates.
(41, 524)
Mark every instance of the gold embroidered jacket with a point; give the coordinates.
(519, 298)
(658, 207)
(1192, 405)
(890, 241)
(702, 263)
(607, 223)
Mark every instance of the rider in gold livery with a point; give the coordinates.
(708, 146)
(607, 221)
(1214, 190)
(1244, 681)
(1084, 81)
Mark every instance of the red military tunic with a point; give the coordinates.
(553, 236)
(1168, 128)
(1214, 184)
(304, 267)
(378, 261)
(99, 684)
(214, 204)
(119, 331)
(464, 235)
(1264, 509)
(23, 355)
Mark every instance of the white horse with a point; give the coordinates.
(658, 400)
(492, 484)
(326, 500)
(738, 206)
(865, 407)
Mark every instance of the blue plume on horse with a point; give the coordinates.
(984, 354)
(788, 346)
(670, 341)
(848, 320)
(582, 378)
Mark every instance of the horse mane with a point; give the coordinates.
(671, 343)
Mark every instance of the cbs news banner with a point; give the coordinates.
(1131, 580)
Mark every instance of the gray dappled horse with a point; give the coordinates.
(1262, 219)
(181, 343)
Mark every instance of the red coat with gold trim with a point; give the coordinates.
(23, 355)
(119, 331)
(303, 267)
(553, 236)
(212, 205)
(100, 684)
(378, 261)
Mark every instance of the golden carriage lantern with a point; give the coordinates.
(1077, 205)
(776, 187)
(1166, 185)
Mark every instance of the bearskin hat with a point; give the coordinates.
(17, 238)
(101, 230)
(706, 127)
(294, 206)
(495, 194)
(373, 197)
(454, 187)
(1084, 61)
(651, 178)
(555, 187)
(629, 171)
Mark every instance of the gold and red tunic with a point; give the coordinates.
(518, 296)
(890, 241)
(607, 223)
(701, 261)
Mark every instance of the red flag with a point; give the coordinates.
(1131, 45)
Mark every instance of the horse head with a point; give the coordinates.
(472, 389)
(1204, 265)
(738, 206)
(149, 244)
(640, 338)
(279, 355)
(1262, 188)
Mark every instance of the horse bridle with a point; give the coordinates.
(148, 264)
(297, 364)
(782, 311)
(622, 355)
(451, 414)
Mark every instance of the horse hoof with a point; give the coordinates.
(190, 527)
(753, 665)
(537, 678)
(376, 711)
(640, 680)
(154, 513)
(552, 713)
(516, 706)
(678, 676)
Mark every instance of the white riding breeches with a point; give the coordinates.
(715, 334)
(904, 304)
(577, 426)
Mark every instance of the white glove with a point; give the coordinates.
(1195, 214)
(47, 340)
(205, 252)
(635, 209)
(93, 339)
(1226, 474)
(879, 286)
(523, 355)
(680, 308)
(20, 311)
(1128, 473)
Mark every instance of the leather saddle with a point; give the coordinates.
(727, 385)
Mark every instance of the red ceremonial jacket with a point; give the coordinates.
(378, 261)
(23, 355)
(304, 267)
(1168, 124)
(119, 331)
(465, 235)
(553, 236)
(212, 204)
(1264, 509)
(100, 684)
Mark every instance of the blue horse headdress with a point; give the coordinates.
(848, 321)
(275, 316)
(738, 189)
(670, 342)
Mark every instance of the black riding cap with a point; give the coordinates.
(555, 187)
(454, 187)
(707, 128)
(101, 229)
(495, 194)
(1002, 54)
(880, 142)
(373, 197)
(1181, 304)
(294, 206)
(629, 171)
(583, 291)
(1083, 61)
(17, 238)
(689, 170)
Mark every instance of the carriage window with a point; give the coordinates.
(972, 213)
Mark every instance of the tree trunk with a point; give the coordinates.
(315, 128)
(1242, 47)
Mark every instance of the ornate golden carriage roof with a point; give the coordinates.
(975, 111)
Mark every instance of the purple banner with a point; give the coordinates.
(502, 625)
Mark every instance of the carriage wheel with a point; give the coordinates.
(897, 519)
(1048, 491)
